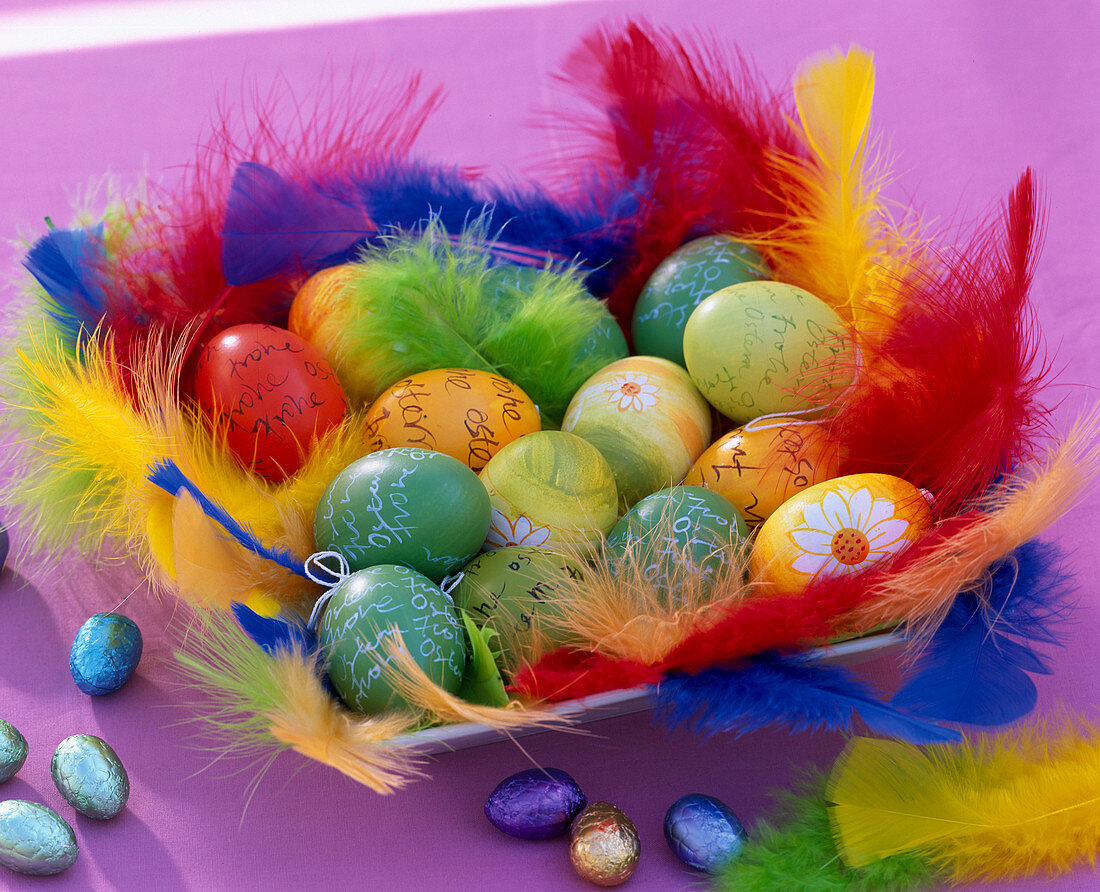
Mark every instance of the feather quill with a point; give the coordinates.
(1022, 803)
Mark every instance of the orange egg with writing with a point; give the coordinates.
(464, 413)
(761, 465)
(317, 303)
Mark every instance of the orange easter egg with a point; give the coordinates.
(841, 527)
(761, 465)
(647, 419)
(464, 413)
(316, 303)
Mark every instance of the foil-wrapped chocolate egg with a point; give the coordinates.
(105, 653)
(5, 543)
(34, 839)
(90, 776)
(604, 845)
(535, 804)
(703, 832)
(13, 750)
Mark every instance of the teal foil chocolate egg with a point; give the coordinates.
(703, 832)
(13, 751)
(680, 283)
(105, 653)
(34, 839)
(361, 616)
(408, 506)
(676, 532)
(90, 775)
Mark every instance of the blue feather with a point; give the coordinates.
(977, 668)
(167, 475)
(799, 692)
(65, 262)
(274, 225)
(274, 634)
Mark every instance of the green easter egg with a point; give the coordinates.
(407, 506)
(514, 590)
(761, 348)
(680, 283)
(360, 617)
(682, 524)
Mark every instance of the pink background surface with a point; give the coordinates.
(969, 94)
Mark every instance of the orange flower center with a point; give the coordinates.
(850, 546)
(631, 388)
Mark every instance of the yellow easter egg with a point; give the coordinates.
(464, 413)
(841, 527)
(314, 313)
(760, 466)
(550, 489)
(646, 418)
(761, 348)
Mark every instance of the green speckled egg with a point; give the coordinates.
(407, 506)
(760, 348)
(360, 616)
(90, 775)
(35, 839)
(681, 525)
(678, 285)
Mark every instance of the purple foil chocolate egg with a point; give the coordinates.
(535, 804)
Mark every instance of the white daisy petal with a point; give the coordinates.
(882, 509)
(859, 508)
(887, 533)
(836, 512)
(809, 563)
(814, 517)
(812, 541)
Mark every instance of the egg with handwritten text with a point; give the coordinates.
(358, 633)
(270, 394)
(680, 283)
(765, 347)
(407, 506)
(315, 313)
(464, 413)
(759, 466)
(842, 527)
(646, 418)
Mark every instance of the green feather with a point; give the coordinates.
(795, 851)
(423, 302)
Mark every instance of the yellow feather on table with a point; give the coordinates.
(1020, 803)
(839, 241)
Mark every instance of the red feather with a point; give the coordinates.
(686, 126)
(565, 674)
(949, 400)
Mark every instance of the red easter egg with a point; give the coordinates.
(269, 393)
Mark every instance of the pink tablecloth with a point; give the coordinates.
(969, 94)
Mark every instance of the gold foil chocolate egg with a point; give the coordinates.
(604, 845)
(34, 839)
(90, 776)
(841, 527)
(761, 465)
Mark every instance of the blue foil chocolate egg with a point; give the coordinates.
(34, 839)
(13, 751)
(90, 775)
(703, 832)
(105, 653)
(535, 804)
(5, 543)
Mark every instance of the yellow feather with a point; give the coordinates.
(1021, 803)
(208, 563)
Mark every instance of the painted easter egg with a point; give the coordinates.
(703, 832)
(270, 394)
(765, 347)
(315, 312)
(407, 506)
(538, 803)
(464, 413)
(547, 489)
(676, 540)
(34, 839)
(105, 653)
(759, 466)
(13, 751)
(359, 619)
(679, 284)
(604, 845)
(514, 590)
(841, 527)
(90, 776)
(646, 418)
